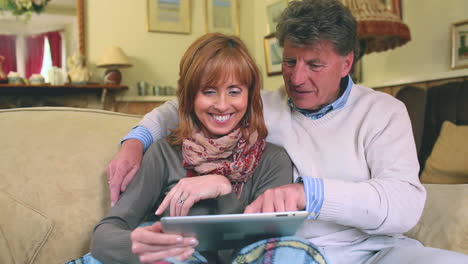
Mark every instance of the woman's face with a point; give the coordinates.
(221, 107)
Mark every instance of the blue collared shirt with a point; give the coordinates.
(337, 104)
(142, 134)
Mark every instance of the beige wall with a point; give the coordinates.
(261, 30)
(155, 56)
(427, 55)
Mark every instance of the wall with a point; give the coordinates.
(427, 55)
(155, 56)
(261, 30)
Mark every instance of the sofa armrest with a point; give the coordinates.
(444, 222)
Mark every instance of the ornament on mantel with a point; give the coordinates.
(78, 73)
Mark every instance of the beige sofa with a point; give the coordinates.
(53, 187)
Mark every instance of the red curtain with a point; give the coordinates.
(8, 50)
(55, 42)
(34, 54)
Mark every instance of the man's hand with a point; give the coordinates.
(290, 197)
(123, 167)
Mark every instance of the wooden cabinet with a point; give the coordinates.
(140, 105)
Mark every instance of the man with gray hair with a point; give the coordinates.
(356, 167)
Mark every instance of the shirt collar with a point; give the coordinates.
(346, 83)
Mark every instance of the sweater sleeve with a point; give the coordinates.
(111, 238)
(392, 200)
(161, 119)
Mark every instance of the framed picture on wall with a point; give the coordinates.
(394, 6)
(273, 12)
(460, 45)
(222, 16)
(171, 16)
(273, 55)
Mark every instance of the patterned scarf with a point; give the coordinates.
(231, 155)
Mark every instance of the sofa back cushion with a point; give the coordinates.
(54, 160)
(448, 161)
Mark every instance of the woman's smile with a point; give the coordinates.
(222, 119)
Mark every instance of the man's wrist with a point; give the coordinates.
(133, 143)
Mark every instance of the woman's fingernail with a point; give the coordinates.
(112, 204)
(193, 241)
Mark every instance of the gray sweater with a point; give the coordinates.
(161, 169)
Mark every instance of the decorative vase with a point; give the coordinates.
(112, 76)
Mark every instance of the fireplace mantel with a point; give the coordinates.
(86, 95)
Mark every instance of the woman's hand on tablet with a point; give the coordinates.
(151, 245)
(188, 191)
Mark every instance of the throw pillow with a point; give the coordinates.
(443, 223)
(23, 231)
(448, 162)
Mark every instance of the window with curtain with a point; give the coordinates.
(43, 52)
(8, 50)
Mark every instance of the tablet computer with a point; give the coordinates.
(228, 231)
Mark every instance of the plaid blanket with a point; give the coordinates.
(268, 251)
(280, 250)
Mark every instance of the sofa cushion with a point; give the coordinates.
(23, 231)
(448, 162)
(54, 160)
(443, 223)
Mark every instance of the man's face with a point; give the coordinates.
(312, 74)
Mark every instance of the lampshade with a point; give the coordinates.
(114, 57)
(378, 28)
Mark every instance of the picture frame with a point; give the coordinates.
(169, 16)
(459, 45)
(273, 12)
(273, 55)
(222, 16)
(394, 6)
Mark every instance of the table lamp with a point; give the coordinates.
(113, 59)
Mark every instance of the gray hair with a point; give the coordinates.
(309, 22)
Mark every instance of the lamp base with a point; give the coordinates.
(112, 76)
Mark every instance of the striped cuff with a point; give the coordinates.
(314, 196)
(142, 134)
